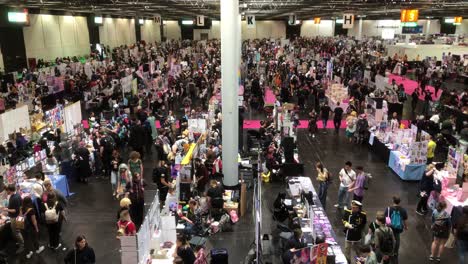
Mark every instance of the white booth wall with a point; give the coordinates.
(2, 67)
(463, 28)
(373, 28)
(213, 33)
(50, 36)
(264, 29)
(117, 31)
(325, 28)
(172, 30)
(150, 31)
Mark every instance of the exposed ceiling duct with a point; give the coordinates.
(263, 9)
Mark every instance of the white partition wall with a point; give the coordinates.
(117, 31)
(2, 67)
(150, 31)
(373, 28)
(172, 30)
(49, 37)
(463, 28)
(264, 29)
(309, 29)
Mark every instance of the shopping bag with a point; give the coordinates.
(450, 241)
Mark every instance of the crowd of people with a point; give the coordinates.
(175, 82)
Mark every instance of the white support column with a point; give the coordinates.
(360, 29)
(229, 89)
(428, 28)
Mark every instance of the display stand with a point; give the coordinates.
(335, 93)
(313, 216)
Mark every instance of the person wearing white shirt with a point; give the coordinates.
(347, 178)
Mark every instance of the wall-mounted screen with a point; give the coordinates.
(412, 30)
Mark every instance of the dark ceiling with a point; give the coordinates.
(262, 9)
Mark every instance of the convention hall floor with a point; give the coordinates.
(92, 209)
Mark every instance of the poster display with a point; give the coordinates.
(55, 118)
(72, 115)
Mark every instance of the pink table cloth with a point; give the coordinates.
(411, 85)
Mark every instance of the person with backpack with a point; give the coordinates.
(441, 226)
(54, 216)
(354, 221)
(125, 225)
(384, 241)
(396, 219)
(351, 121)
(460, 230)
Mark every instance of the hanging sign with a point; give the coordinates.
(409, 15)
(457, 20)
(317, 20)
(348, 20)
(250, 21)
(200, 21)
(157, 19)
(292, 19)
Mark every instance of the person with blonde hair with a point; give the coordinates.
(351, 121)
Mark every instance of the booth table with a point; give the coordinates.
(60, 183)
(410, 172)
(379, 148)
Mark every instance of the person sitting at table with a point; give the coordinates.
(296, 241)
(192, 219)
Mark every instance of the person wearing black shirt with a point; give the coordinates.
(162, 177)
(337, 116)
(135, 191)
(81, 253)
(184, 251)
(325, 115)
(14, 204)
(201, 173)
(215, 194)
(296, 241)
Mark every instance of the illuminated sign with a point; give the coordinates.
(457, 20)
(409, 15)
(19, 17)
(317, 20)
(98, 20)
(409, 24)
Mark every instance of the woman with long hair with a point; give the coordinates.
(134, 163)
(81, 253)
(54, 216)
(31, 228)
(323, 179)
(441, 226)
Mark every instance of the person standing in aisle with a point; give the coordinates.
(354, 221)
(31, 228)
(82, 253)
(460, 229)
(399, 218)
(54, 216)
(135, 164)
(323, 179)
(358, 186)
(325, 115)
(135, 192)
(13, 210)
(431, 146)
(115, 164)
(426, 186)
(337, 116)
(347, 178)
(441, 226)
(384, 241)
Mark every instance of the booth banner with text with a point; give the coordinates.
(348, 20)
